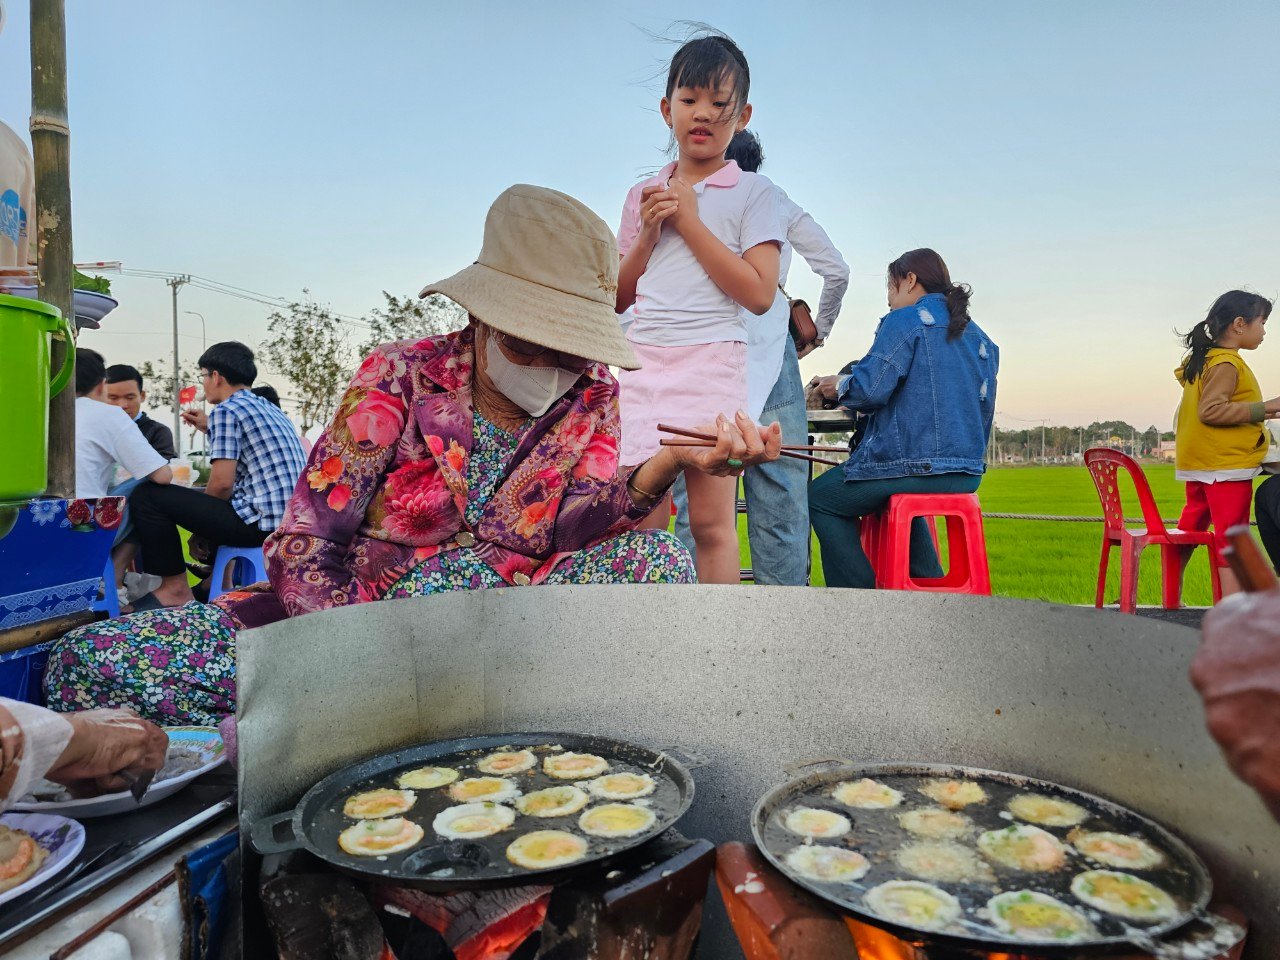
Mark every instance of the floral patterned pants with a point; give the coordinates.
(177, 666)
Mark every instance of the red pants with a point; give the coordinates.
(1225, 504)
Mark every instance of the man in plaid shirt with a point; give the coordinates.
(255, 457)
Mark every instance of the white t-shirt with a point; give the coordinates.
(677, 303)
(106, 436)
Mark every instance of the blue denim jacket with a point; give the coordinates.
(931, 400)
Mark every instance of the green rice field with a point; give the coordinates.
(1054, 561)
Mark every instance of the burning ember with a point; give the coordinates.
(773, 917)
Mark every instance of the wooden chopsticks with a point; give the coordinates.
(708, 440)
(1247, 562)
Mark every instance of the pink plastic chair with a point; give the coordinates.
(1175, 545)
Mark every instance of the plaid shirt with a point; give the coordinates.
(269, 459)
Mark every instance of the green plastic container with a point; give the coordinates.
(25, 388)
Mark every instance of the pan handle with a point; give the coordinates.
(793, 770)
(263, 835)
(691, 761)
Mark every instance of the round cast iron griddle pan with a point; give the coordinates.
(877, 835)
(440, 865)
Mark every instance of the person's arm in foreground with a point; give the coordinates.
(598, 497)
(1237, 672)
(85, 751)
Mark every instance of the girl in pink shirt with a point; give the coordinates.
(698, 242)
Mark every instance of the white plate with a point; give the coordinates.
(63, 838)
(205, 739)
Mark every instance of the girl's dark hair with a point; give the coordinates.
(1203, 336)
(745, 148)
(932, 274)
(707, 61)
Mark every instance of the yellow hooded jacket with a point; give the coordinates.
(1219, 421)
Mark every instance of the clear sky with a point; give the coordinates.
(1098, 170)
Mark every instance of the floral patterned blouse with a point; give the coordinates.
(387, 485)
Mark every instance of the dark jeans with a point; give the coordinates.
(1266, 510)
(158, 510)
(837, 506)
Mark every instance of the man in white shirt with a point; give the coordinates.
(106, 436)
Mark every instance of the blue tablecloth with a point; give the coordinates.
(52, 559)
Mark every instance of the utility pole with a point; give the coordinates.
(51, 149)
(176, 283)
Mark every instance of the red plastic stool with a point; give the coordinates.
(886, 537)
(872, 536)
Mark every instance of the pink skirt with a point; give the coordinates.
(680, 386)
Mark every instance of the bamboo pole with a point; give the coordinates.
(51, 146)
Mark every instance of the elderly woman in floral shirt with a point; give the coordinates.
(483, 458)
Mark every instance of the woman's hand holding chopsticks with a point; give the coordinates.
(738, 444)
(731, 447)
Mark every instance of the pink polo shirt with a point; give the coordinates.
(677, 303)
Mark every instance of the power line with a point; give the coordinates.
(240, 293)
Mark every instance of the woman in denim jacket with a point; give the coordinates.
(928, 387)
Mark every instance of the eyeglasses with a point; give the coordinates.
(533, 351)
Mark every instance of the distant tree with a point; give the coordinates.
(307, 344)
(408, 318)
(157, 381)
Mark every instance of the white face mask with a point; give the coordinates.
(533, 389)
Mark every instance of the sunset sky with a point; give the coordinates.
(1098, 171)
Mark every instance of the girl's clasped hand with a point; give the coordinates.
(657, 205)
(676, 202)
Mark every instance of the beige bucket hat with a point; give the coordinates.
(547, 273)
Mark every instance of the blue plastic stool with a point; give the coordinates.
(247, 563)
(110, 602)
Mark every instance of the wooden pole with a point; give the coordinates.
(51, 146)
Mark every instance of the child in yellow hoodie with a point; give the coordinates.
(1220, 437)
